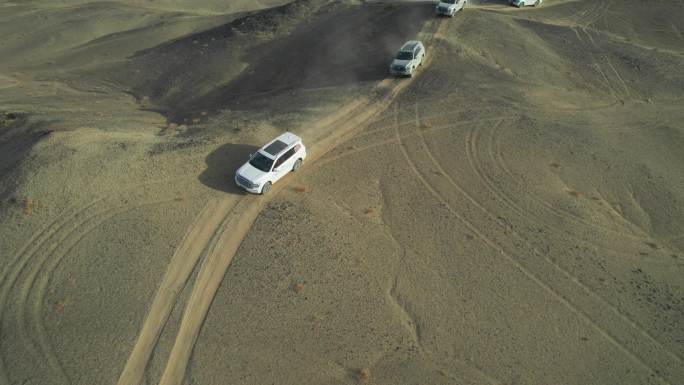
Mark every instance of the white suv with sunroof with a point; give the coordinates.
(409, 57)
(449, 7)
(270, 163)
(522, 3)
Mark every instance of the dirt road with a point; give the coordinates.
(221, 227)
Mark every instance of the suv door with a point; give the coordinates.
(283, 164)
(288, 163)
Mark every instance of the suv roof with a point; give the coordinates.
(410, 45)
(273, 148)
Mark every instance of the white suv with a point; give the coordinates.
(522, 3)
(449, 7)
(408, 58)
(270, 163)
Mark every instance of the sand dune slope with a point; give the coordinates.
(511, 215)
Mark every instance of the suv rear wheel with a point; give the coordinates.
(297, 165)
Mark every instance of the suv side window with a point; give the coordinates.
(284, 157)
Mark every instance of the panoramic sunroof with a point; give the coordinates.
(275, 147)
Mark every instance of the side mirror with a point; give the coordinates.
(250, 155)
(275, 169)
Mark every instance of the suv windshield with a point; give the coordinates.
(448, 1)
(261, 162)
(403, 55)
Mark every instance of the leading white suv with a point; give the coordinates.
(409, 57)
(270, 163)
(449, 7)
(522, 3)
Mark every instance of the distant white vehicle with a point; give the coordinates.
(522, 3)
(409, 57)
(449, 7)
(270, 163)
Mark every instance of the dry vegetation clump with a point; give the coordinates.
(364, 375)
(61, 304)
(369, 210)
(145, 102)
(426, 124)
(8, 119)
(575, 194)
(300, 189)
(298, 287)
(29, 206)
(555, 165)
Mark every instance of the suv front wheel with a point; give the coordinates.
(266, 188)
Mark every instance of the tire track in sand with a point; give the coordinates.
(44, 353)
(472, 149)
(183, 262)
(30, 309)
(22, 273)
(598, 11)
(587, 304)
(528, 269)
(496, 155)
(23, 257)
(30, 258)
(4, 378)
(331, 131)
(355, 150)
(473, 371)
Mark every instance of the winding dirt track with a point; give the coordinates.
(182, 263)
(222, 225)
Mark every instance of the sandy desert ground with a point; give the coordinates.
(513, 214)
